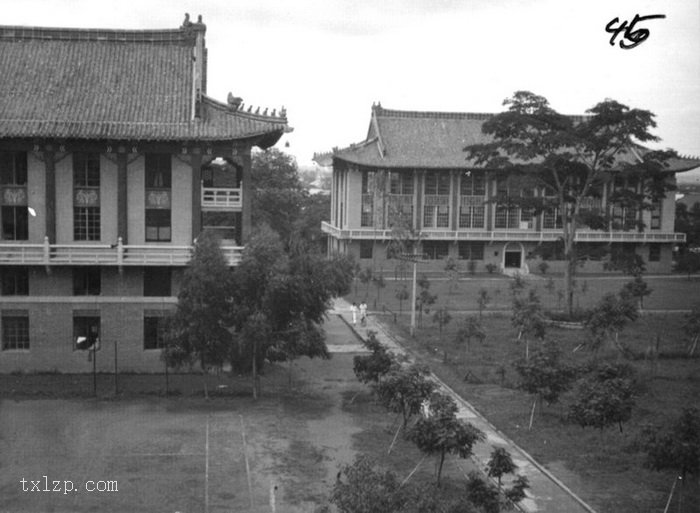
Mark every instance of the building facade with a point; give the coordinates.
(112, 160)
(410, 178)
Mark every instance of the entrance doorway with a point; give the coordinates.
(512, 259)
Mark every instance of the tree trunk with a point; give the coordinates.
(255, 370)
(442, 460)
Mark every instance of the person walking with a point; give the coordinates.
(363, 313)
(353, 310)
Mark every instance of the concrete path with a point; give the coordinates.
(546, 493)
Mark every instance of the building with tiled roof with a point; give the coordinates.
(411, 175)
(108, 143)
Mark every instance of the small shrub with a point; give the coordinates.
(471, 267)
(491, 267)
(543, 267)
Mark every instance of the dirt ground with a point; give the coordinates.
(188, 454)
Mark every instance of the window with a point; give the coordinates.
(367, 210)
(86, 281)
(86, 331)
(226, 225)
(435, 249)
(86, 170)
(15, 281)
(400, 183)
(654, 253)
(157, 281)
(158, 197)
(86, 196)
(15, 331)
(366, 248)
(86, 223)
(154, 330)
(368, 182)
(472, 184)
(655, 216)
(437, 183)
(436, 210)
(471, 250)
(13, 167)
(158, 171)
(158, 225)
(15, 223)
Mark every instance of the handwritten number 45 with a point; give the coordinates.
(636, 37)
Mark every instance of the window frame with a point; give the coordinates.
(15, 281)
(87, 281)
(82, 323)
(21, 336)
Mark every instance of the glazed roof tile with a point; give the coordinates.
(112, 84)
(434, 140)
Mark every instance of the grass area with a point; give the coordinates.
(605, 469)
(668, 292)
(294, 438)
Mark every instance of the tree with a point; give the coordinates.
(571, 160)
(608, 317)
(403, 391)
(638, 288)
(198, 330)
(500, 464)
(379, 284)
(402, 295)
(604, 398)
(528, 318)
(442, 433)
(687, 221)
(425, 298)
(471, 328)
(363, 488)
(365, 277)
(676, 448)
(692, 329)
(315, 208)
(442, 318)
(371, 368)
(486, 496)
(284, 295)
(452, 270)
(483, 300)
(545, 376)
(278, 193)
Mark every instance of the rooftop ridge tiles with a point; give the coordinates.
(476, 116)
(26, 33)
(280, 117)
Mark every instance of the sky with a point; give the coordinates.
(328, 61)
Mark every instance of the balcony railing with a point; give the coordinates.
(505, 235)
(12, 253)
(218, 198)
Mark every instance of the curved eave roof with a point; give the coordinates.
(128, 85)
(436, 140)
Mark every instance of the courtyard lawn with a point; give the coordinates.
(604, 468)
(669, 292)
(185, 453)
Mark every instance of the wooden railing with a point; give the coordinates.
(14, 253)
(221, 198)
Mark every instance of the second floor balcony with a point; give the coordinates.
(13, 253)
(507, 235)
(221, 198)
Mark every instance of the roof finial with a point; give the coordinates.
(187, 21)
(234, 101)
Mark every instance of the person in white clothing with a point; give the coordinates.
(353, 310)
(363, 313)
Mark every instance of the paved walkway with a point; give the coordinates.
(546, 493)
